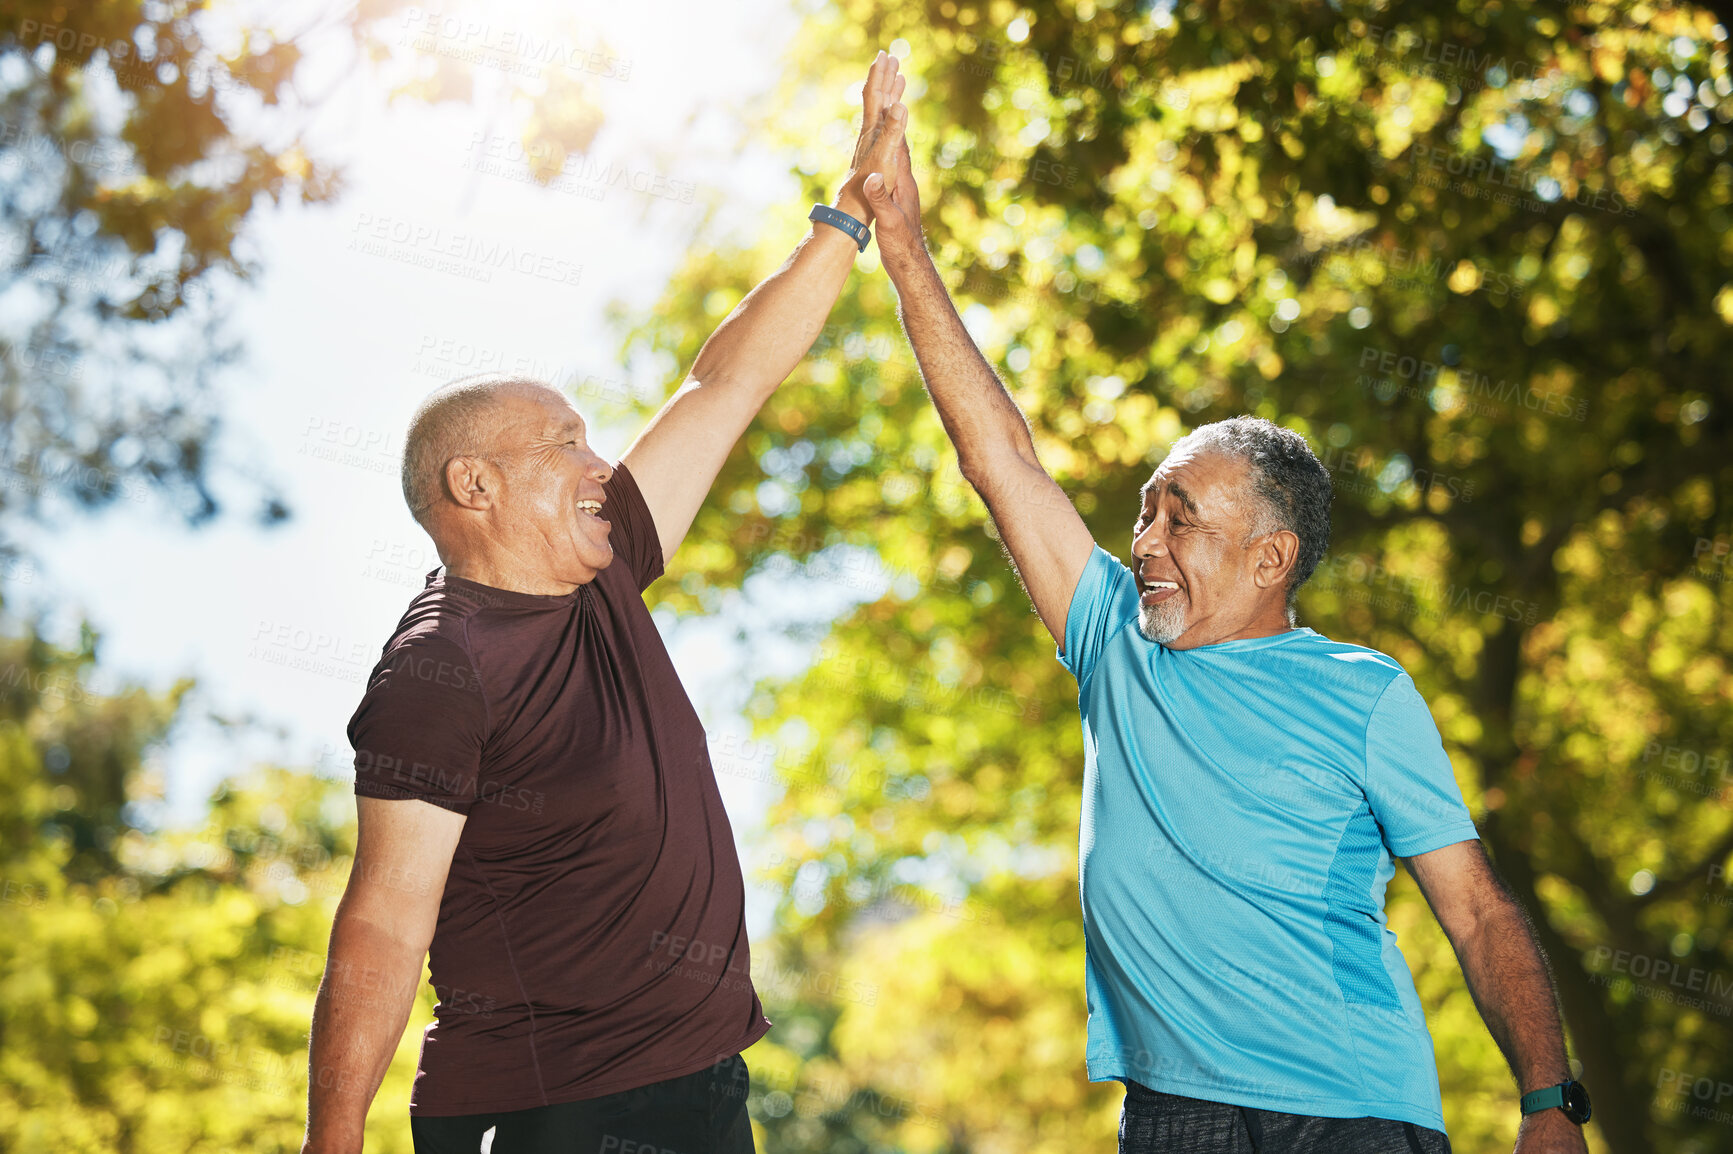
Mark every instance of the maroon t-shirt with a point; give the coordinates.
(592, 933)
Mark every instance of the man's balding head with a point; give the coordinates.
(498, 469)
(461, 419)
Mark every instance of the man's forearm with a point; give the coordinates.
(1508, 979)
(680, 452)
(677, 456)
(363, 1005)
(1048, 542)
(770, 330)
(980, 417)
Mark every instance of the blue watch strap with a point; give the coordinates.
(825, 214)
(1537, 1100)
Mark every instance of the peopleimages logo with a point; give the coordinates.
(1431, 164)
(1471, 392)
(428, 778)
(464, 254)
(1358, 576)
(1662, 979)
(1680, 1092)
(519, 50)
(1352, 472)
(1446, 60)
(92, 155)
(492, 154)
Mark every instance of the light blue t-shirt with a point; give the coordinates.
(1241, 803)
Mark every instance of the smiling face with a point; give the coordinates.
(543, 512)
(1200, 579)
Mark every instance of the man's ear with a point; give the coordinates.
(1273, 558)
(470, 482)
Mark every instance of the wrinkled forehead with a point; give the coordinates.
(527, 412)
(1198, 476)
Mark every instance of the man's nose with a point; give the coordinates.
(1149, 543)
(599, 469)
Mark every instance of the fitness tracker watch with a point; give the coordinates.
(1568, 1096)
(825, 214)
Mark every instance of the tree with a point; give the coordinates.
(1476, 255)
(124, 190)
(137, 141)
(156, 986)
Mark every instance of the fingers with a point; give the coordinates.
(905, 163)
(893, 224)
(877, 195)
(872, 93)
(897, 122)
(907, 195)
(891, 135)
(898, 119)
(884, 85)
(883, 134)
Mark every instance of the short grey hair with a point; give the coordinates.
(1291, 486)
(458, 419)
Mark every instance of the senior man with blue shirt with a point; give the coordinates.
(1247, 785)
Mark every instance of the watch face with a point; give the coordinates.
(1576, 1104)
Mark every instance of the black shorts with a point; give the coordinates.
(1156, 1123)
(702, 1113)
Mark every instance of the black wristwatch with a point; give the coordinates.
(1568, 1096)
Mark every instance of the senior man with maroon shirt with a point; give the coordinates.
(535, 799)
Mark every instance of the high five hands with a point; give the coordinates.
(895, 203)
(883, 120)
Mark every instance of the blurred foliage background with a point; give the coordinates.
(1478, 254)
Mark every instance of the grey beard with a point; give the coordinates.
(1162, 623)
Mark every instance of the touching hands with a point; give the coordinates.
(896, 204)
(883, 119)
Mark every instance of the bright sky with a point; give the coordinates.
(346, 330)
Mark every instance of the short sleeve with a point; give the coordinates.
(419, 729)
(633, 535)
(1409, 783)
(1103, 602)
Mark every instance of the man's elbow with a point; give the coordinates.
(1003, 471)
(989, 474)
(1491, 918)
(976, 469)
(385, 924)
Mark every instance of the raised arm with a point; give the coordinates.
(1048, 541)
(1507, 977)
(677, 456)
(378, 943)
